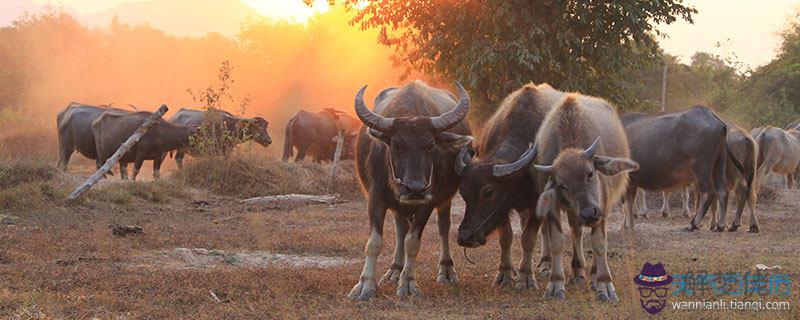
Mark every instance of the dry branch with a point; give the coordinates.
(120, 152)
(292, 198)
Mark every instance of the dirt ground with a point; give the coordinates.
(210, 257)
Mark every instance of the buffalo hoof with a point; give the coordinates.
(689, 228)
(526, 281)
(447, 275)
(717, 228)
(664, 214)
(407, 288)
(504, 279)
(606, 292)
(753, 229)
(363, 290)
(578, 280)
(733, 228)
(543, 270)
(555, 291)
(392, 275)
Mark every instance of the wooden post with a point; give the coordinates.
(120, 152)
(664, 89)
(336, 156)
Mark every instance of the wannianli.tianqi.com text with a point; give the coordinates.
(724, 304)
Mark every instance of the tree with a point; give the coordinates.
(495, 46)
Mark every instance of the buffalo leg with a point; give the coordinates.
(65, 150)
(408, 283)
(137, 165)
(685, 197)
(393, 274)
(604, 287)
(545, 264)
(665, 204)
(641, 205)
(722, 192)
(789, 181)
(123, 170)
(505, 273)
(447, 270)
(157, 167)
(555, 289)
(705, 202)
(301, 153)
(741, 201)
(367, 284)
(530, 228)
(627, 216)
(179, 158)
(578, 259)
(751, 203)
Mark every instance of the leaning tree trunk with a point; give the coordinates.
(123, 149)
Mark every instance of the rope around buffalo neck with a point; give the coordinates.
(485, 220)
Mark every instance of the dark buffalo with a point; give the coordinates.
(675, 150)
(745, 150)
(316, 134)
(239, 128)
(75, 131)
(406, 163)
(584, 153)
(112, 129)
(496, 181)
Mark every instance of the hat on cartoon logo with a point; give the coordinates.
(653, 284)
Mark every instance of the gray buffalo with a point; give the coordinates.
(779, 153)
(74, 125)
(584, 153)
(239, 129)
(315, 134)
(675, 150)
(405, 162)
(112, 129)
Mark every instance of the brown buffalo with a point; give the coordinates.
(779, 152)
(584, 152)
(74, 125)
(498, 179)
(675, 150)
(406, 162)
(239, 129)
(316, 134)
(111, 130)
(745, 150)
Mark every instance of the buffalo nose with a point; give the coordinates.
(415, 188)
(591, 214)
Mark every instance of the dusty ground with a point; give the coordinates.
(208, 256)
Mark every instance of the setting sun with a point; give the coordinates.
(292, 11)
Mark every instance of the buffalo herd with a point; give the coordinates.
(545, 154)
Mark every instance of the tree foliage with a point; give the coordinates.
(495, 46)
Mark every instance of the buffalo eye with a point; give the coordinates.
(487, 193)
(590, 175)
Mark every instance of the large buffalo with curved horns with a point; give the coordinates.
(406, 163)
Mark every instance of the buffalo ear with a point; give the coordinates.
(451, 141)
(612, 166)
(379, 135)
(547, 205)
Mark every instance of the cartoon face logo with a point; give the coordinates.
(654, 287)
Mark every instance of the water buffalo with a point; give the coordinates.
(745, 150)
(240, 129)
(406, 162)
(779, 152)
(584, 152)
(675, 150)
(497, 181)
(316, 134)
(74, 125)
(112, 129)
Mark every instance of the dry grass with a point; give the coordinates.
(250, 175)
